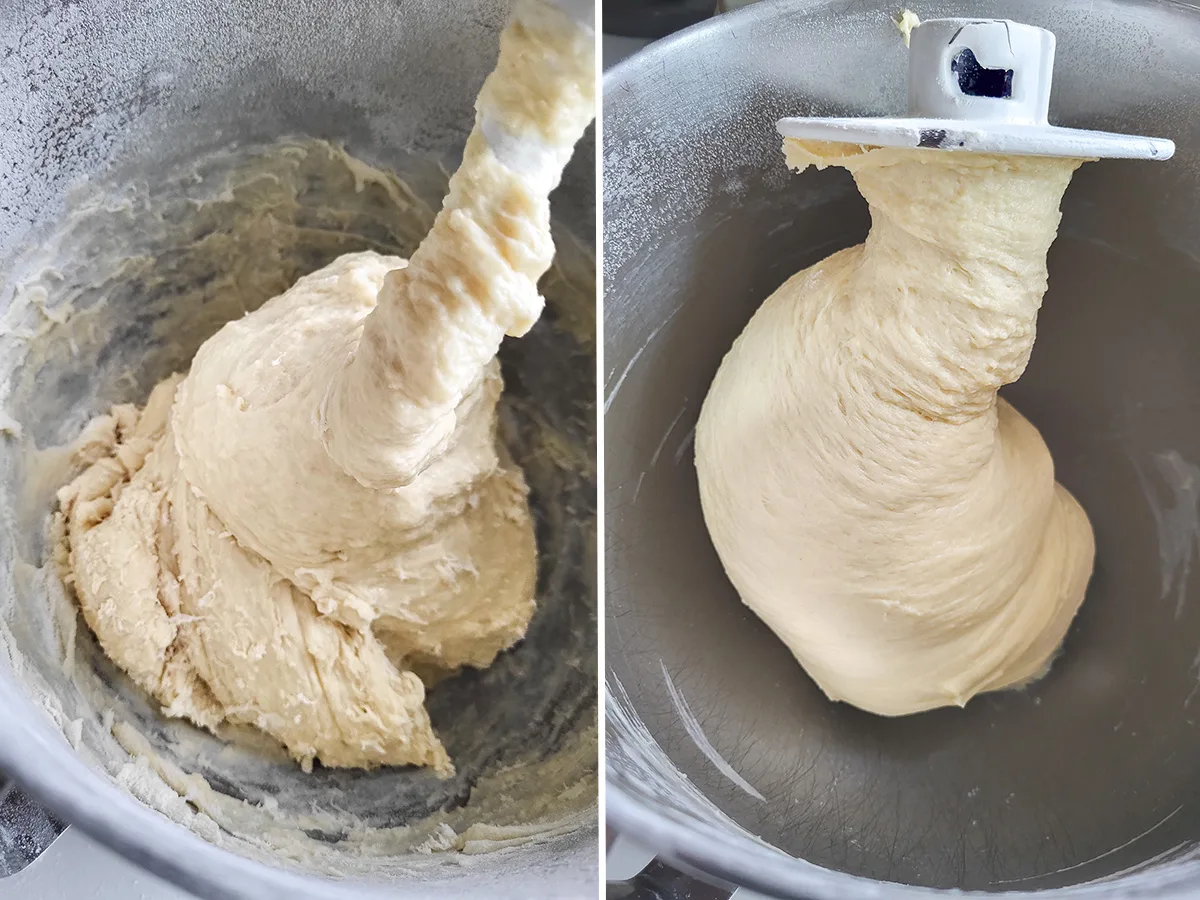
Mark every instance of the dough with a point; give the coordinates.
(872, 500)
(319, 513)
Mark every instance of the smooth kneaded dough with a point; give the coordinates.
(320, 509)
(870, 496)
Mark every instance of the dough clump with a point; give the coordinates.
(891, 519)
(320, 514)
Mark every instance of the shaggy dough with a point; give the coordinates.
(320, 510)
(871, 498)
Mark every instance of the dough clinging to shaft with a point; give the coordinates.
(870, 496)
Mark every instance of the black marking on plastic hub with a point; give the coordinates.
(932, 137)
(976, 81)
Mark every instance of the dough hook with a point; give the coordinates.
(979, 86)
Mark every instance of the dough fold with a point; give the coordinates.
(319, 515)
(891, 519)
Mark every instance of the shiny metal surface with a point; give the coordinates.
(26, 829)
(717, 739)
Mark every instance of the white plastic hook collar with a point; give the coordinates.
(983, 86)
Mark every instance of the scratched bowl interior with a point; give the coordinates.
(715, 734)
(123, 206)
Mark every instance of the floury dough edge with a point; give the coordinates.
(870, 496)
(320, 510)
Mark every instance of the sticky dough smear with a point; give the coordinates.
(319, 513)
(872, 499)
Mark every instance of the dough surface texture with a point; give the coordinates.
(319, 515)
(891, 519)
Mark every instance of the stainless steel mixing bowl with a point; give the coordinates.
(722, 754)
(122, 219)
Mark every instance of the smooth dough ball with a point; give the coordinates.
(892, 520)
